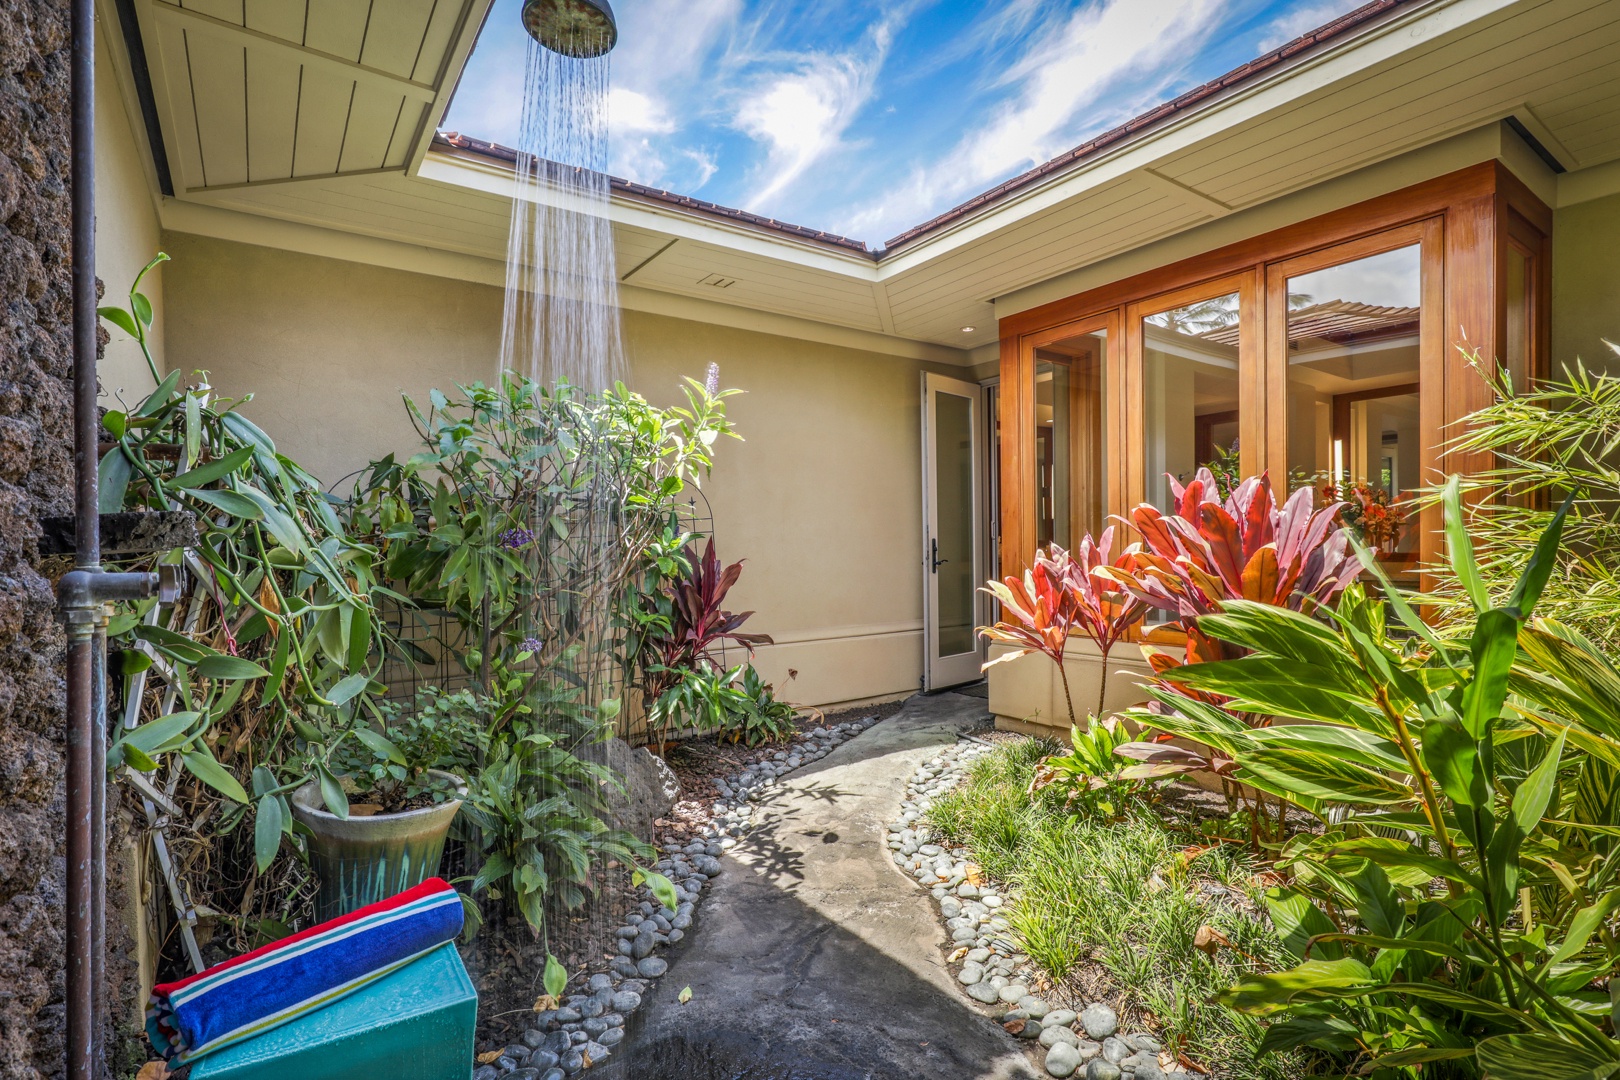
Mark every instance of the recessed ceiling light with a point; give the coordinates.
(969, 329)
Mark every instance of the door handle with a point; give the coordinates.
(933, 556)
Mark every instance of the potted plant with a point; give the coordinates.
(380, 802)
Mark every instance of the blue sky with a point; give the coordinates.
(865, 117)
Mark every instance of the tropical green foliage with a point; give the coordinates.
(542, 519)
(537, 812)
(733, 703)
(1090, 774)
(1454, 916)
(536, 514)
(539, 518)
(1559, 435)
(280, 635)
(388, 761)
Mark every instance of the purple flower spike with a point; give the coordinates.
(516, 538)
(531, 645)
(711, 381)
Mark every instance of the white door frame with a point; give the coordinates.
(943, 671)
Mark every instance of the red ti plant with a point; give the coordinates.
(1062, 593)
(700, 620)
(1209, 551)
(1245, 548)
(692, 620)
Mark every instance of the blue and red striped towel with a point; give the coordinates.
(295, 976)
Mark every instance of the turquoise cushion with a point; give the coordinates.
(414, 1024)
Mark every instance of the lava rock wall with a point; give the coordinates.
(36, 469)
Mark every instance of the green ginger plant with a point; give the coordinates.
(1454, 917)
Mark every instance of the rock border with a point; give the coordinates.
(589, 1023)
(984, 953)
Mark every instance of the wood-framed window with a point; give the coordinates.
(1329, 350)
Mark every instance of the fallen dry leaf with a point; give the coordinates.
(1014, 1027)
(1210, 940)
(1188, 1063)
(152, 1070)
(957, 955)
(1187, 855)
(975, 874)
(586, 1060)
(686, 995)
(489, 1056)
(544, 1002)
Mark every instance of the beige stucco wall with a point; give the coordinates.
(1586, 283)
(127, 236)
(822, 498)
(1026, 694)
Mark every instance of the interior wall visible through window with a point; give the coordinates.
(1071, 425)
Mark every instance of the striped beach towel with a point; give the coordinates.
(290, 978)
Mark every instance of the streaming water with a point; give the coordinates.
(561, 316)
(561, 328)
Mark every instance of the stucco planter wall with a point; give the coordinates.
(1027, 695)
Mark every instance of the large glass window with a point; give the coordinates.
(1071, 424)
(1191, 388)
(1354, 430)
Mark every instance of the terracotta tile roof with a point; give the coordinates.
(1254, 68)
(495, 151)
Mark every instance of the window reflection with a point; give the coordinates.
(1190, 357)
(1353, 422)
(1516, 348)
(1071, 418)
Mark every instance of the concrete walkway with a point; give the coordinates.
(813, 957)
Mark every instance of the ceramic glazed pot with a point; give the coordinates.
(361, 860)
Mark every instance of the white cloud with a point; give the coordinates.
(660, 68)
(664, 42)
(1081, 74)
(633, 113)
(801, 114)
(1300, 21)
(704, 167)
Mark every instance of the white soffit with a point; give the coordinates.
(270, 91)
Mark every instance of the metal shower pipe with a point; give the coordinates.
(84, 594)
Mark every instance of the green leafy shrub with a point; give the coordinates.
(1449, 935)
(1556, 436)
(1089, 777)
(279, 636)
(542, 519)
(537, 814)
(734, 703)
(389, 762)
(270, 674)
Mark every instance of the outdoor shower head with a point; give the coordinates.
(582, 29)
